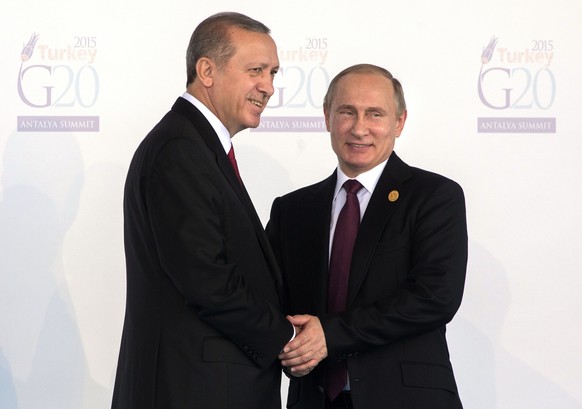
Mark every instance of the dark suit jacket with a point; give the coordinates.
(203, 323)
(406, 282)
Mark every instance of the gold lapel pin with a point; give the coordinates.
(393, 196)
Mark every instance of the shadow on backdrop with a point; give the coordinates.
(489, 376)
(42, 175)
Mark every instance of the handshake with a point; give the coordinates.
(307, 349)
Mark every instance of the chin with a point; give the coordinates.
(254, 123)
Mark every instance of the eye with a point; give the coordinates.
(375, 114)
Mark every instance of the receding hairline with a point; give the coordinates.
(367, 69)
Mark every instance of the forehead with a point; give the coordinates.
(364, 88)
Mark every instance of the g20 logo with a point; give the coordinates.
(519, 87)
(525, 88)
(60, 85)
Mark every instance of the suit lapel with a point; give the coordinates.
(210, 137)
(378, 213)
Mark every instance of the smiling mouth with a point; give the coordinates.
(256, 103)
(359, 145)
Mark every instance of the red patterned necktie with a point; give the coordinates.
(346, 230)
(233, 163)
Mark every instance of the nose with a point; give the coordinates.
(265, 85)
(360, 126)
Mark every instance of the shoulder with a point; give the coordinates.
(311, 192)
(183, 125)
(427, 188)
(420, 184)
(430, 177)
(174, 141)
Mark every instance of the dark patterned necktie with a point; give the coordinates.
(346, 230)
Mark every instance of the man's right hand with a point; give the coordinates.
(307, 349)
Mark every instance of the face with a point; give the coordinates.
(241, 89)
(362, 121)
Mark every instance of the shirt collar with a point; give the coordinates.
(218, 127)
(368, 179)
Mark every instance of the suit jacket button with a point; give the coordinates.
(321, 389)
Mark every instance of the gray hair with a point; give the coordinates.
(211, 39)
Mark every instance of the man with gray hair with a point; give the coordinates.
(203, 322)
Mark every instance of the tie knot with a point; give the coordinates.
(352, 186)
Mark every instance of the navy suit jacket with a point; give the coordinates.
(406, 283)
(203, 323)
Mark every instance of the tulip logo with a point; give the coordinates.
(488, 51)
(28, 49)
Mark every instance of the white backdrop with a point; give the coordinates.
(503, 121)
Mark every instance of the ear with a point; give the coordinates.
(400, 123)
(205, 69)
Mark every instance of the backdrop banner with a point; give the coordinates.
(493, 95)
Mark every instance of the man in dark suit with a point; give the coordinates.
(383, 345)
(203, 324)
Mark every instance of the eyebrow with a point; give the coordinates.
(368, 109)
(377, 109)
(257, 63)
(264, 66)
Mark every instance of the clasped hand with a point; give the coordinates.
(307, 349)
